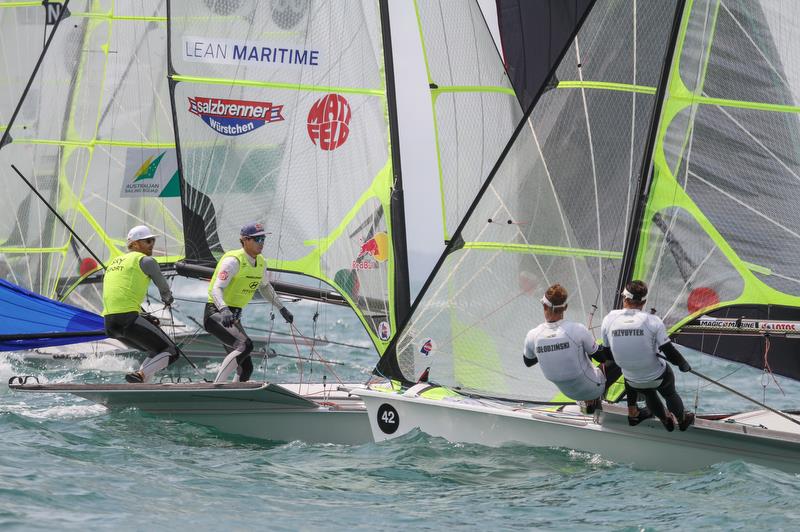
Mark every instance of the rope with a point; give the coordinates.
(768, 370)
(315, 352)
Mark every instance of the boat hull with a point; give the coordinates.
(646, 446)
(267, 411)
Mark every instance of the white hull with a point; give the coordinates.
(647, 446)
(285, 412)
(201, 346)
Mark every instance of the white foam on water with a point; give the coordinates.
(109, 362)
(57, 411)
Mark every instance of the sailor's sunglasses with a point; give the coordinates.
(148, 240)
(258, 239)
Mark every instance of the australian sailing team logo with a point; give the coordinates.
(427, 347)
(152, 173)
(329, 122)
(234, 117)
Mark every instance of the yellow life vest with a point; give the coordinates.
(124, 284)
(243, 286)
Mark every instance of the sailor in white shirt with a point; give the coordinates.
(635, 337)
(563, 349)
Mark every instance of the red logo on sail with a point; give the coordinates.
(427, 347)
(376, 247)
(329, 122)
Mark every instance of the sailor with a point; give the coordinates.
(124, 289)
(236, 278)
(635, 338)
(563, 349)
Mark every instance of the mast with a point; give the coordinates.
(402, 293)
(645, 173)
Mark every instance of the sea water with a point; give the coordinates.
(68, 464)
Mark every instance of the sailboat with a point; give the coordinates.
(661, 148)
(287, 114)
(106, 163)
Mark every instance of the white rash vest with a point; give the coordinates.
(634, 337)
(562, 349)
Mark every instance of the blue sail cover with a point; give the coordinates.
(29, 320)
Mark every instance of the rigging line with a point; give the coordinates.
(325, 362)
(743, 396)
(559, 206)
(60, 219)
(592, 158)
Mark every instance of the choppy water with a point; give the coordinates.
(68, 464)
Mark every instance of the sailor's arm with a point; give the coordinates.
(665, 345)
(150, 268)
(268, 293)
(528, 356)
(675, 357)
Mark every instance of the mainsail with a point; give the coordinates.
(474, 105)
(93, 135)
(554, 209)
(719, 238)
(284, 114)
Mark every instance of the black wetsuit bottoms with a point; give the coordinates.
(137, 332)
(667, 391)
(233, 338)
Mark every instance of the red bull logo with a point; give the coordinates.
(329, 122)
(376, 248)
(427, 347)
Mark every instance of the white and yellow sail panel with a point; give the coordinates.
(282, 117)
(474, 105)
(720, 235)
(554, 212)
(94, 136)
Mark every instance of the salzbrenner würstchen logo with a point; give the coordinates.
(234, 117)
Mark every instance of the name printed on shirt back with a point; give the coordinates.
(627, 332)
(553, 347)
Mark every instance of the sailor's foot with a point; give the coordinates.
(593, 405)
(688, 419)
(135, 377)
(668, 422)
(644, 413)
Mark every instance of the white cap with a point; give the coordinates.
(140, 232)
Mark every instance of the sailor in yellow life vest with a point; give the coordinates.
(124, 289)
(236, 278)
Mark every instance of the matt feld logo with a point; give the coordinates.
(329, 122)
(234, 117)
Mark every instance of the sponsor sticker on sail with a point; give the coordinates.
(329, 122)
(150, 173)
(234, 117)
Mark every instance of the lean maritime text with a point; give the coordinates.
(204, 50)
